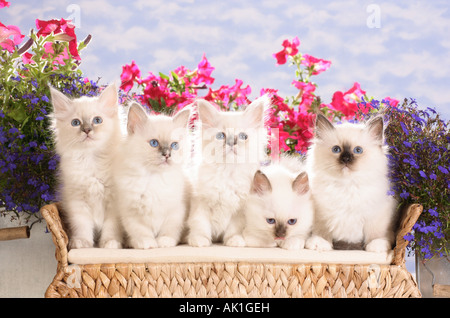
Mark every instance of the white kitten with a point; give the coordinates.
(87, 132)
(279, 210)
(151, 198)
(348, 171)
(233, 144)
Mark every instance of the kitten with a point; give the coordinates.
(87, 131)
(233, 143)
(348, 170)
(279, 210)
(152, 191)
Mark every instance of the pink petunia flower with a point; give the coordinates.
(27, 58)
(10, 31)
(315, 64)
(204, 70)
(306, 93)
(64, 28)
(347, 102)
(304, 87)
(129, 74)
(289, 49)
(227, 94)
(392, 101)
(4, 3)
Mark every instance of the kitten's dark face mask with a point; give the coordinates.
(348, 155)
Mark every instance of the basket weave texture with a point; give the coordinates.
(230, 279)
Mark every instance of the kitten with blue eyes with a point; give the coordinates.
(150, 185)
(231, 146)
(279, 210)
(87, 132)
(348, 170)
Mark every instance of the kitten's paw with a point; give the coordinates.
(111, 244)
(236, 241)
(199, 241)
(80, 243)
(318, 243)
(378, 246)
(293, 243)
(143, 243)
(166, 241)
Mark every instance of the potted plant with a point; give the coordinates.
(28, 163)
(420, 164)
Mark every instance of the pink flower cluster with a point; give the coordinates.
(294, 128)
(292, 119)
(10, 36)
(63, 29)
(182, 86)
(289, 49)
(295, 122)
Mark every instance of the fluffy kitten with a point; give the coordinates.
(348, 171)
(279, 210)
(151, 198)
(86, 132)
(233, 143)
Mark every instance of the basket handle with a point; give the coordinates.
(14, 233)
(51, 215)
(408, 218)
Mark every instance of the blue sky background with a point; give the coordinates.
(406, 55)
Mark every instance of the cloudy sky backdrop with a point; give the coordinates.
(398, 49)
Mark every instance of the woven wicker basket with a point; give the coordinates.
(231, 279)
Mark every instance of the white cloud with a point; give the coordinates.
(120, 39)
(103, 10)
(162, 59)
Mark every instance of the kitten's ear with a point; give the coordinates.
(207, 113)
(108, 99)
(181, 119)
(322, 125)
(137, 117)
(301, 184)
(61, 103)
(260, 184)
(254, 113)
(376, 128)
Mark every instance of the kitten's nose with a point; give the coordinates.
(346, 157)
(280, 231)
(165, 152)
(86, 129)
(231, 140)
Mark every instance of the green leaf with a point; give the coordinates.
(164, 76)
(18, 114)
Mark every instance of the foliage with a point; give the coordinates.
(27, 161)
(420, 162)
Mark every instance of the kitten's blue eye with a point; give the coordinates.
(243, 136)
(358, 150)
(154, 143)
(270, 221)
(220, 136)
(174, 145)
(76, 122)
(336, 149)
(292, 221)
(97, 120)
